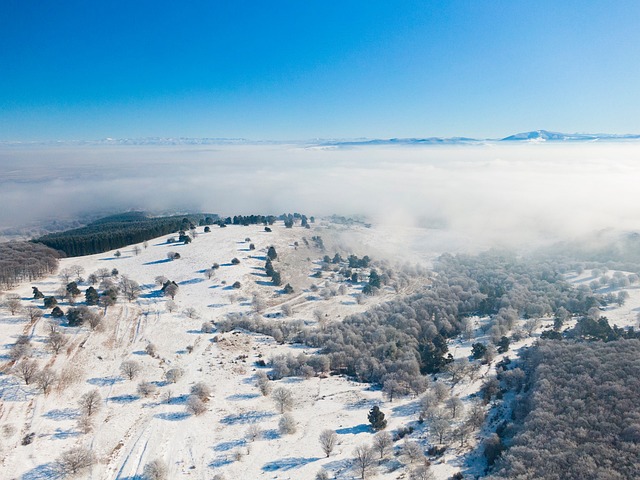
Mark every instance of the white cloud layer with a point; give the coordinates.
(494, 192)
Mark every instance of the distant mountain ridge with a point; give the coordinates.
(534, 136)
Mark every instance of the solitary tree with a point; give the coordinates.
(328, 440)
(90, 402)
(283, 399)
(130, 369)
(376, 418)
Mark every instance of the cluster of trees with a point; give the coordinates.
(26, 261)
(586, 394)
(115, 232)
(406, 338)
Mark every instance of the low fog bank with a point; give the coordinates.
(485, 194)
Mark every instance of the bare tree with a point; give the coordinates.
(209, 273)
(174, 374)
(90, 402)
(27, 370)
(136, 250)
(129, 288)
(155, 470)
(46, 379)
(283, 399)
(455, 405)
(258, 303)
(328, 439)
(22, 348)
(130, 369)
(254, 433)
(195, 406)
(191, 312)
(146, 389)
(207, 327)
(13, 303)
(412, 450)
(440, 428)
(75, 460)
(85, 424)
(56, 340)
(33, 313)
(287, 424)
(363, 460)
(171, 306)
(382, 442)
(287, 310)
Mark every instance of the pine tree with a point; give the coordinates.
(271, 253)
(91, 296)
(376, 418)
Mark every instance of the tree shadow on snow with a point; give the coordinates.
(157, 262)
(362, 428)
(62, 414)
(47, 471)
(172, 416)
(123, 398)
(243, 396)
(219, 462)
(226, 446)
(288, 463)
(104, 381)
(191, 281)
(248, 417)
(407, 410)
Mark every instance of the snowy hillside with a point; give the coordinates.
(236, 432)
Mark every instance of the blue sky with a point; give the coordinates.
(316, 69)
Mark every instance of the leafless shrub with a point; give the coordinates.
(75, 460)
(287, 424)
(191, 312)
(263, 383)
(56, 340)
(155, 470)
(195, 406)
(207, 327)
(254, 433)
(146, 389)
(202, 391)
(174, 374)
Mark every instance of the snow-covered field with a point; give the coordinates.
(130, 430)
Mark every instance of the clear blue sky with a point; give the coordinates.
(304, 69)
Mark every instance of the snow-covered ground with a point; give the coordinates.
(129, 430)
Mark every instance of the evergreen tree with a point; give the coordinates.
(57, 312)
(37, 294)
(50, 302)
(275, 278)
(288, 288)
(271, 253)
(91, 296)
(72, 289)
(374, 279)
(376, 419)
